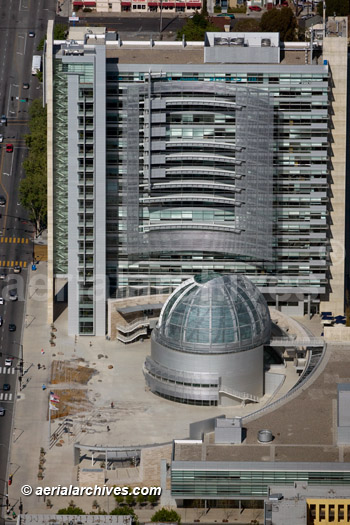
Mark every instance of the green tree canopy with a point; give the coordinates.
(280, 20)
(195, 28)
(125, 511)
(71, 510)
(247, 24)
(33, 188)
(166, 515)
(337, 7)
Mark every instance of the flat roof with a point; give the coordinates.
(303, 425)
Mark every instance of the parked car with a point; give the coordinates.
(2, 276)
(1, 138)
(1, 320)
(12, 327)
(17, 269)
(1, 300)
(254, 8)
(9, 148)
(8, 361)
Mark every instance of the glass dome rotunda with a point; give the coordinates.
(213, 313)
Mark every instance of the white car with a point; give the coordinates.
(1, 300)
(1, 138)
(8, 361)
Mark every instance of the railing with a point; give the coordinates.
(311, 342)
(127, 328)
(128, 339)
(239, 395)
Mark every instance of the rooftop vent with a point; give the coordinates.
(265, 436)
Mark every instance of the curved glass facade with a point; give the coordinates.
(212, 313)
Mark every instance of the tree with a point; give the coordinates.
(195, 28)
(60, 31)
(125, 511)
(33, 188)
(281, 20)
(141, 499)
(152, 499)
(129, 500)
(71, 510)
(246, 24)
(334, 7)
(119, 499)
(164, 515)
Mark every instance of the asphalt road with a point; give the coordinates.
(17, 17)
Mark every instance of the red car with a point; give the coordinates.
(254, 8)
(9, 148)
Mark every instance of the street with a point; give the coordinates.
(18, 17)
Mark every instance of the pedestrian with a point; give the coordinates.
(44, 387)
(90, 343)
(112, 405)
(42, 351)
(108, 429)
(39, 366)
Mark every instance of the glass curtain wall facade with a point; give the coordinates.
(185, 176)
(77, 194)
(217, 480)
(175, 170)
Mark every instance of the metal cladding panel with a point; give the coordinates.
(242, 371)
(241, 55)
(249, 158)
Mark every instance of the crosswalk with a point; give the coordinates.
(14, 240)
(6, 396)
(7, 370)
(11, 264)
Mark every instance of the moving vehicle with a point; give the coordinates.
(12, 327)
(6, 387)
(31, 34)
(9, 148)
(13, 295)
(2, 411)
(36, 64)
(1, 138)
(1, 300)
(3, 120)
(25, 85)
(2, 276)
(8, 361)
(2, 200)
(1, 320)
(17, 269)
